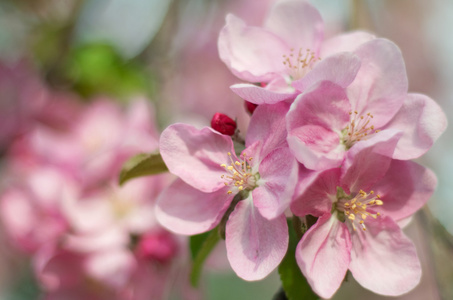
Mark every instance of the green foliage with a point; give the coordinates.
(142, 164)
(200, 247)
(99, 69)
(294, 283)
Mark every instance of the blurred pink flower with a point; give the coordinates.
(32, 208)
(25, 101)
(95, 147)
(211, 174)
(358, 207)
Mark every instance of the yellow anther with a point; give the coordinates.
(229, 192)
(363, 217)
(351, 217)
(237, 163)
(223, 165)
(378, 214)
(229, 153)
(379, 202)
(240, 188)
(230, 168)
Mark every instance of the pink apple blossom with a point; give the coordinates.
(326, 120)
(358, 207)
(211, 175)
(289, 53)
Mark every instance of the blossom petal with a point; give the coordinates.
(298, 23)
(276, 186)
(380, 86)
(347, 42)
(405, 188)
(383, 259)
(255, 245)
(367, 161)
(251, 53)
(340, 69)
(315, 200)
(422, 121)
(314, 121)
(196, 155)
(323, 255)
(260, 95)
(268, 126)
(186, 210)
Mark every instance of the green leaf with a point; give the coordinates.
(142, 164)
(294, 283)
(207, 243)
(195, 243)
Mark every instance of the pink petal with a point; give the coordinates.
(251, 53)
(298, 23)
(367, 161)
(186, 210)
(260, 95)
(323, 255)
(383, 259)
(405, 188)
(422, 121)
(196, 155)
(113, 267)
(340, 69)
(314, 121)
(255, 245)
(315, 200)
(305, 178)
(278, 180)
(268, 126)
(380, 86)
(347, 42)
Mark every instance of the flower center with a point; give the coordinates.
(299, 64)
(358, 129)
(239, 174)
(355, 209)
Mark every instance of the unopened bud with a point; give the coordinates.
(157, 246)
(250, 107)
(223, 124)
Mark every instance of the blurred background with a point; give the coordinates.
(75, 74)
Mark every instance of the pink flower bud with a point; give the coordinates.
(223, 124)
(250, 107)
(157, 246)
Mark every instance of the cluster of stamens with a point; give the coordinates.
(239, 175)
(299, 64)
(358, 129)
(356, 208)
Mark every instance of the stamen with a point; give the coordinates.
(300, 64)
(238, 174)
(358, 129)
(356, 209)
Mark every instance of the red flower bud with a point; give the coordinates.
(250, 106)
(223, 124)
